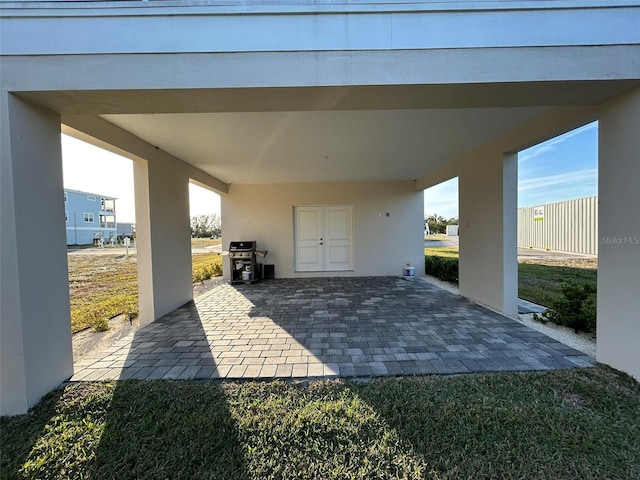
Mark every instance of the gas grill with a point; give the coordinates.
(244, 268)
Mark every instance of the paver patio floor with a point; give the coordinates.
(327, 327)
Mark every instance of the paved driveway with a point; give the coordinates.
(296, 328)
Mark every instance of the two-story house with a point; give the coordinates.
(89, 217)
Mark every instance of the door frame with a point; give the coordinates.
(324, 254)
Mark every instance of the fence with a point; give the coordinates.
(570, 226)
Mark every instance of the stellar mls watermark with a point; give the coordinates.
(630, 240)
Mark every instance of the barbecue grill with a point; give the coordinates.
(244, 268)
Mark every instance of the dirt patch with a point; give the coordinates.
(206, 285)
(571, 262)
(88, 341)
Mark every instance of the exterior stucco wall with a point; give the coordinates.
(163, 236)
(619, 231)
(258, 26)
(381, 244)
(488, 216)
(35, 331)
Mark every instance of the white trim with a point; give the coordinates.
(92, 228)
(213, 7)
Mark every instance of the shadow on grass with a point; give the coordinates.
(128, 429)
(169, 429)
(557, 424)
(162, 426)
(580, 423)
(21, 434)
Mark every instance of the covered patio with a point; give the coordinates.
(327, 327)
(320, 142)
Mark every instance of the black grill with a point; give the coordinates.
(243, 262)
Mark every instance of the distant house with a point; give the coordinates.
(89, 217)
(125, 229)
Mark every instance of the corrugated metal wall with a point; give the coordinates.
(570, 226)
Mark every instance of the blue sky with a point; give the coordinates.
(559, 169)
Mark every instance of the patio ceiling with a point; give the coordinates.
(326, 134)
(303, 147)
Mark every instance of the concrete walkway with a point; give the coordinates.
(298, 328)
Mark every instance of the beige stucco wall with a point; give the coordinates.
(35, 332)
(488, 215)
(381, 244)
(163, 237)
(619, 232)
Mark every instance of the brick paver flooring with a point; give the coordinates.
(328, 327)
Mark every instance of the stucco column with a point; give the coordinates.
(618, 330)
(163, 236)
(35, 328)
(488, 230)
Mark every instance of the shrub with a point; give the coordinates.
(575, 309)
(442, 268)
(206, 266)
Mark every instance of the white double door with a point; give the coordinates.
(323, 236)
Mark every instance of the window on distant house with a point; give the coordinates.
(107, 221)
(91, 198)
(88, 217)
(65, 196)
(107, 205)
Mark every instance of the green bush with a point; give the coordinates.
(442, 268)
(575, 309)
(206, 266)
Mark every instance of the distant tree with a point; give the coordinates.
(438, 224)
(203, 226)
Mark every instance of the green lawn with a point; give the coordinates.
(205, 242)
(102, 286)
(580, 423)
(541, 280)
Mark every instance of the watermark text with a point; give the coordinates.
(621, 240)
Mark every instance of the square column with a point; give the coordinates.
(488, 269)
(35, 326)
(163, 236)
(618, 328)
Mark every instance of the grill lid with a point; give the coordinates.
(242, 246)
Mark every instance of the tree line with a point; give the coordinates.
(438, 224)
(206, 226)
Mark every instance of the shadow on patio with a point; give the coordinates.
(348, 327)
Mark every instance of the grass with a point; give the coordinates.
(206, 266)
(435, 237)
(100, 287)
(205, 242)
(580, 423)
(541, 280)
(446, 252)
(103, 286)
